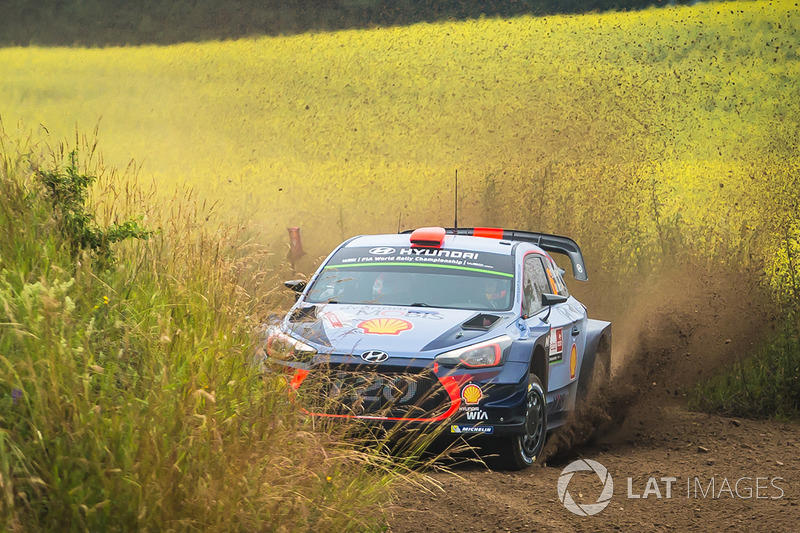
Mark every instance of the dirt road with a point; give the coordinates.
(699, 472)
(474, 499)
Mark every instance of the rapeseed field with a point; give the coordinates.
(638, 133)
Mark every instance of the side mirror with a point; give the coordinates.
(297, 285)
(549, 300)
(552, 299)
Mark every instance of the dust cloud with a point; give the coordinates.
(671, 330)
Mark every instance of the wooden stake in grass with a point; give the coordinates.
(295, 245)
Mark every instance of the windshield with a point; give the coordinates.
(425, 280)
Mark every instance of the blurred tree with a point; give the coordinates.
(116, 22)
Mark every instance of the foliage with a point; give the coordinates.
(764, 385)
(128, 397)
(68, 189)
(108, 22)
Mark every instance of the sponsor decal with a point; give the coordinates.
(381, 250)
(342, 317)
(374, 356)
(471, 394)
(458, 264)
(489, 263)
(425, 314)
(458, 429)
(573, 362)
(384, 326)
(377, 311)
(455, 254)
(333, 320)
(556, 345)
(474, 413)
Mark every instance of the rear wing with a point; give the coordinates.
(549, 243)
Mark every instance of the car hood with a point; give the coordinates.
(408, 332)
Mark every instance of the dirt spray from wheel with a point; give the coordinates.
(680, 327)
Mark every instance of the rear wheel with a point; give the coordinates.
(520, 451)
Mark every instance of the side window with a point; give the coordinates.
(534, 284)
(557, 279)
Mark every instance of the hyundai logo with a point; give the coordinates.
(381, 250)
(374, 356)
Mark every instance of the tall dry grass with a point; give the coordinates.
(128, 395)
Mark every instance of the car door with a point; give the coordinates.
(574, 333)
(537, 276)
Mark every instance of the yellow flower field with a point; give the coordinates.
(639, 133)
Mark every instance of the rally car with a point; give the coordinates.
(471, 330)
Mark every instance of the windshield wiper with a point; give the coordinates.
(419, 304)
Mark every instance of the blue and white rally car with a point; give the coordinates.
(470, 328)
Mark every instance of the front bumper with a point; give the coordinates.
(468, 402)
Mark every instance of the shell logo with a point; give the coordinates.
(573, 362)
(384, 326)
(471, 394)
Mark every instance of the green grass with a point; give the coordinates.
(766, 384)
(128, 395)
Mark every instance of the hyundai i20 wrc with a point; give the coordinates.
(472, 330)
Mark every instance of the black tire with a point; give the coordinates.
(518, 452)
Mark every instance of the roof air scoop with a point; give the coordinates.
(431, 237)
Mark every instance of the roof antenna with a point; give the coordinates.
(455, 222)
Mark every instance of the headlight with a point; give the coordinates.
(283, 346)
(488, 353)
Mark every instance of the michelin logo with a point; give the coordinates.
(486, 430)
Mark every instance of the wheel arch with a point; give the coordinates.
(539, 365)
(598, 339)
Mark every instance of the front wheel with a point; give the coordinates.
(518, 452)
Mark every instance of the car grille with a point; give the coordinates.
(392, 394)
